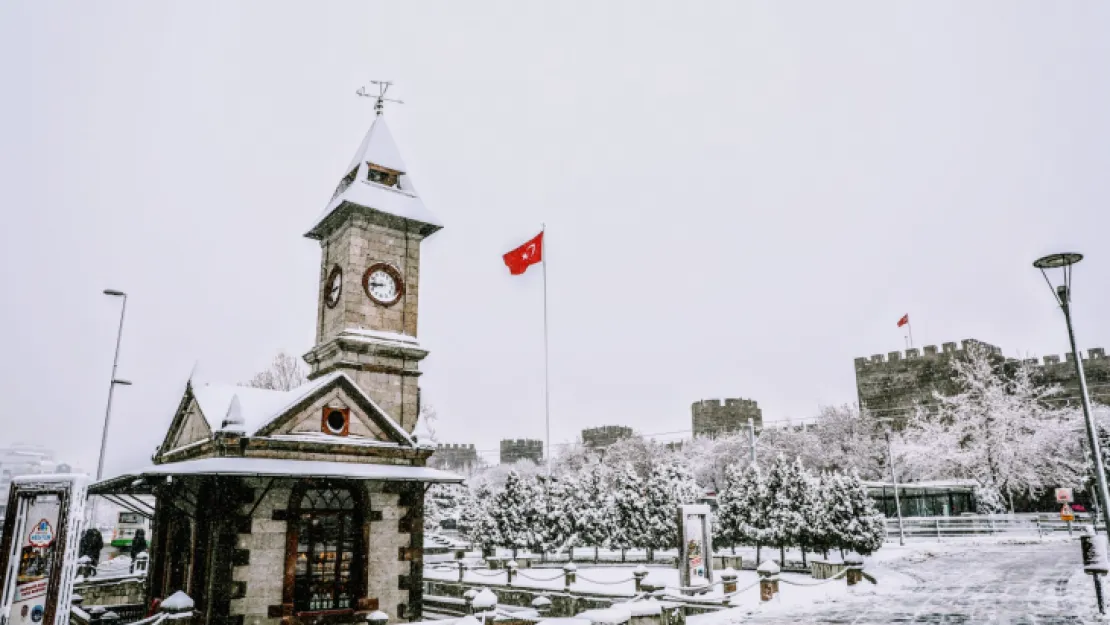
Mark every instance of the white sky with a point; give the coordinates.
(740, 197)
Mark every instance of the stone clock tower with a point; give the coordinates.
(370, 235)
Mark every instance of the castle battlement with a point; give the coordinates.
(709, 404)
(949, 349)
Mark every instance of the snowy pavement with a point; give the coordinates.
(1005, 584)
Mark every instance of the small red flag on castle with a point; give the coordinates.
(905, 320)
(523, 257)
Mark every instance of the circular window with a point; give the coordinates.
(336, 421)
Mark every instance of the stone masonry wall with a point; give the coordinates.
(891, 385)
(259, 580)
(713, 417)
(520, 449)
(605, 435)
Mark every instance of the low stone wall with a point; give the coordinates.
(111, 591)
(822, 569)
(562, 604)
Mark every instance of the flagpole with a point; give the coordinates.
(546, 375)
(909, 328)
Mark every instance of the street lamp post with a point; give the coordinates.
(112, 385)
(1064, 263)
(894, 481)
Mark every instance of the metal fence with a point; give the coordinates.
(1007, 526)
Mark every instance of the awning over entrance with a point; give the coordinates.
(135, 482)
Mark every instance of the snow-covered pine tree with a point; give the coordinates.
(668, 485)
(511, 512)
(793, 505)
(560, 529)
(629, 504)
(476, 521)
(592, 503)
(730, 512)
(820, 536)
(856, 524)
(442, 504)
(776, 528)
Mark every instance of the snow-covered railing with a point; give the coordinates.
(1008, 526)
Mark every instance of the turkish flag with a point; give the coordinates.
(525, 256)
(904, 320)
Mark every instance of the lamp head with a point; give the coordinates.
(121, 382)
(1063, 262)
(115, 293)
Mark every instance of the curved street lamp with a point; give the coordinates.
(112, 385)
(1064, 263)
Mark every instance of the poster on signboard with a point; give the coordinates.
(38, 559)
(695, 559)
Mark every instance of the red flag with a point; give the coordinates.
(904, 320)
(525, 256)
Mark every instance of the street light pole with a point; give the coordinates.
(1063, 297)
(114, 382)
(894, 481)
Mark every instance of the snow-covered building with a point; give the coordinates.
(306, 506)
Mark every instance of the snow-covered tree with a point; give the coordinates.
(560, 517)
(854, 522)
(668, 485)
(285, 373)
(476, 520)
(793, 504)
(629, 502)
(594, 507)
(1000, 429)
(443, 502)
(519, 512)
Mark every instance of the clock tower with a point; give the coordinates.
(370, 235)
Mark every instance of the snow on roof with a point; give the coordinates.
(257, 406)
(378, 148)
(378, 336)
(274, 467)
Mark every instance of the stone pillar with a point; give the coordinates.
(638, 574)
(510, 571)
(462, 570)
(542, 605)
(570, 570)
(854, 562)
(468, 599)
(768, 580)
(377, 617)
(728, 580)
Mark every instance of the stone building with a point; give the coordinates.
(521, 449)
(714, 417)
(306, 506)
(455, 457)
(891, 385)
(602, 437)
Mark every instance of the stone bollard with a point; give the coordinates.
(510, 571)
(854, 563)
(728, 580)
(109, 618)
(178, 607)
(542, 605)
(485, 602)
(768, 580)
(377, 617)
(570, 570)
(95, 613)
(468, 599)
(462, 570)
(638, 574)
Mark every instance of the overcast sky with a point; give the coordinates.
(740, 197)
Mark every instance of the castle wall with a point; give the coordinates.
(454, 457)
(601, 437)
(521, 449)
(891, 385)
(714, 417)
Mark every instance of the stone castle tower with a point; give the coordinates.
(370, 235)
(713, 417)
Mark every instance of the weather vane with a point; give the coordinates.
(380, 99)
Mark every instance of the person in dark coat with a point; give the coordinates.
(138, 543)
(91, 544)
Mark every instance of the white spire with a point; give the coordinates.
(378, 147)
(234, 422)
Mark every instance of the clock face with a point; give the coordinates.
(334, 287)
(383, 284)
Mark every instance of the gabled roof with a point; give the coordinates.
(262, 410)
(377, 148)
